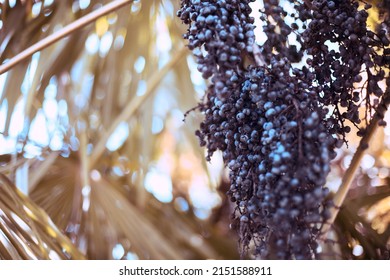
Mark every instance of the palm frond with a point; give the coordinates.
(26, 232)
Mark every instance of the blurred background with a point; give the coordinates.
(97, 158)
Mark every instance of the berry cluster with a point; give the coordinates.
(274, 140)
(219, 32)
(278, 32)
(286, 199)
(343, 50)
(273, 122)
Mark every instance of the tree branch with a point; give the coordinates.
(67, 30)
(349, 175)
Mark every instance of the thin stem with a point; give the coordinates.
(350, 175)
(259, 59)
(67, 30)
(132, 106)
(346, 182)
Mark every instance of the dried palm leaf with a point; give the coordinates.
(79, 192)
(98, 217)
(197, 240)
(26, 232)
(354, 228)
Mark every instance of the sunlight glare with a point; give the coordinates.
(36, 9)
(119, 136)
(92, 44)
(131, 256)
(105, 44)
(139, 64)
(86, 192)
(3, 115)
(142, 86)
(62, 108)
(38, 130)
(57, 141)
(119, 42)
(159, 184)
(51, 89)
(157, 125)
(201, 196)
(84, 4)
(118, 252)
(181, 204)
(17, 119)
(164, 42)
(357, 250)
(32, 150)
(7, 145)
(48, 3)
(259, 33)
(50, 107)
